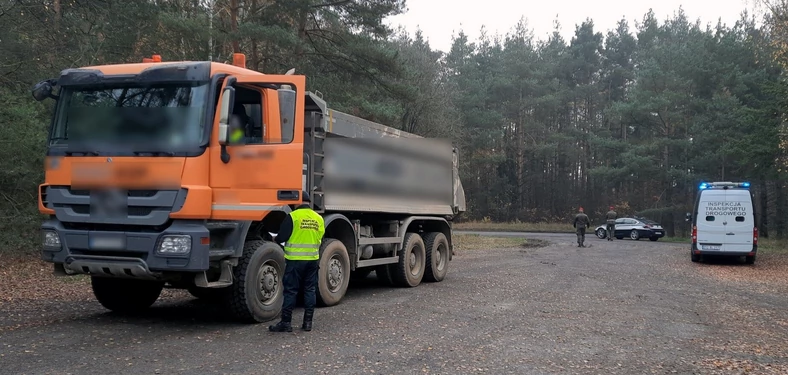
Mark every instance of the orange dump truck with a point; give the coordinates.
(177, 174)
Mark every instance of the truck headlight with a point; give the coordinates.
(175, 245)
(50, 240)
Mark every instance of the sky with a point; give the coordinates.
(439, 20)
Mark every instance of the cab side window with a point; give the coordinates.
(247, 114)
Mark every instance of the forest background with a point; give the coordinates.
(633, 116)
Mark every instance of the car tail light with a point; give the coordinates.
(755, 236)
(647, 226)
(694, 234)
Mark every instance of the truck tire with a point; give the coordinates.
(125, 295)
(257, 292)
(437, 259)
(334, 273)
(412, 261)
(208, 294)
(385, 274)
(360, 274)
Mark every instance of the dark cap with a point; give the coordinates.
(305, 196)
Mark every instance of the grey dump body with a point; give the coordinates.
(356, 165)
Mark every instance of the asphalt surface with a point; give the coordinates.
(621, 307)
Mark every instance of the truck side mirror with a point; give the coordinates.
(43, 90)
(287, 107)
(228, 98)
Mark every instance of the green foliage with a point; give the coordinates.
(632, 116)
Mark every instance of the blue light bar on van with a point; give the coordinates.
(724, 185)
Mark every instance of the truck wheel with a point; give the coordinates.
(385, 274)
(257, 291)
(437, 259)
(360, 274)
(334, 273)
(412, 259)
(208, 294)
(125, 295)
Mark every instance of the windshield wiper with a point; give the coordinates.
(154, 153)
(84, 153)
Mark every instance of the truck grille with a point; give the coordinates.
(131, 207)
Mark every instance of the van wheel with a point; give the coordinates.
(749, 259)
(694, 257)
(634, 234)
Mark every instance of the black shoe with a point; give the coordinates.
(307, 324)
(281, 327)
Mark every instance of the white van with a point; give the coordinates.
(723, 222)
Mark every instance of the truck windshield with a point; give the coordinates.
(157, 118)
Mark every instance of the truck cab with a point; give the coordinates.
(723, 221)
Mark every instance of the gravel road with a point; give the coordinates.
(621, 307)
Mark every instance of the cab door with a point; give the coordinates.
(262, 172)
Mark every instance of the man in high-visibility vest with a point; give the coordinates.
(301, 231)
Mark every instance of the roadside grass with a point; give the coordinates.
(685, 240)
(488, 226)
(469, 242)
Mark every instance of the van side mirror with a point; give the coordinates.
(688, 217)
(228, 98)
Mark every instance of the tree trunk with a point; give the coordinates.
(234, 25)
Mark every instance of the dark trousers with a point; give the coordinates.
(581, 235)
(299, 274)
(611, 231)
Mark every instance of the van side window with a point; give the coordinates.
(740, 218)
(709, 218)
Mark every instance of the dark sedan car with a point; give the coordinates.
(634, 228)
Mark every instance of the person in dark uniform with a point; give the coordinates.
(302, 232)
(611, 217)
(581, 223)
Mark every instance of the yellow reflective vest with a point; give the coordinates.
(308, 231)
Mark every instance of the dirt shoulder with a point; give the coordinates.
(620, 307)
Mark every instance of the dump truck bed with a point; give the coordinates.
(353, 164)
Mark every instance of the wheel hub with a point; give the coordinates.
(440, 253)
(269, 283)
(334, 274)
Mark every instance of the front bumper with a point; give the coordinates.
(130, 254)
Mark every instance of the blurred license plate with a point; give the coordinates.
(710, 247)
(107, 243)
(658, 232)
